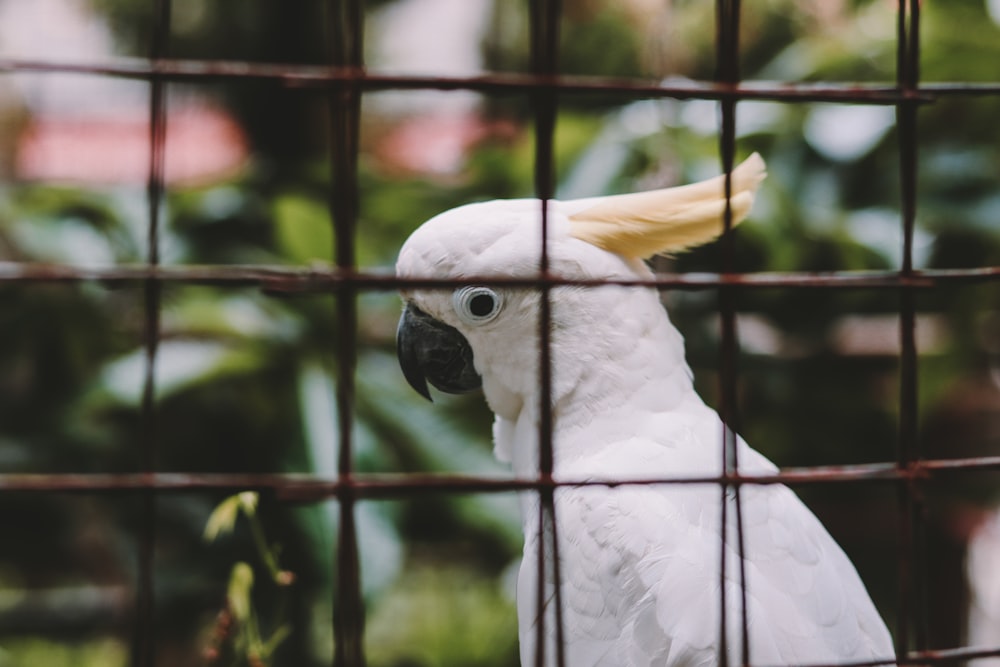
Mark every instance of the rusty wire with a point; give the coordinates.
(317, 76)
(912, 576)
(346, 35)
(727, 65)
(302, 487)
(345, 80)
(544, 63)
(291, 280)
(143, 636)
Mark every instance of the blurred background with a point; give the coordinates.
(246, 380)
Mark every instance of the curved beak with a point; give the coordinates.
(431, 351)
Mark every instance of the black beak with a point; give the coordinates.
(431, 351)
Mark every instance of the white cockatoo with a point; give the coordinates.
(639, 565)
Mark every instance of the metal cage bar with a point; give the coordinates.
(545, 17)
(346, 35)
(727, 56)
(910, 628)
(144, 639)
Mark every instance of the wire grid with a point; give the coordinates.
(346, 80)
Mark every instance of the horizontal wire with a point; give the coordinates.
(915, 657)
(281, 279)
(303, 487)
(364, 79)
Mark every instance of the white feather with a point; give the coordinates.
(983, 579)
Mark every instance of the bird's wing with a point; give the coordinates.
(640, 569)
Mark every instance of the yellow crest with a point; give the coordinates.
(643, 224)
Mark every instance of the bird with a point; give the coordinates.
(640, 580)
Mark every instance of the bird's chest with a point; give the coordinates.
(592, 596)
(600, 550)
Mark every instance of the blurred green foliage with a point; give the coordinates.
(246, 381)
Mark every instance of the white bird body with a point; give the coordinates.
(639, 564)
(983, 581)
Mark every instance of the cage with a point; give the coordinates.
(201, 205)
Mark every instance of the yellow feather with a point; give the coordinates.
(644, 224)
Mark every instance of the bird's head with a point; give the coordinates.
(476, 334)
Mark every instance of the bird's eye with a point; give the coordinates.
(476, 305)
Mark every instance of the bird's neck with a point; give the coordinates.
(605, 377)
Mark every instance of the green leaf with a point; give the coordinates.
(223, 518)
(303, 229)
(280, 635)
(240, 588)
(248, 502)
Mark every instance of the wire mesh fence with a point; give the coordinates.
(343, 84)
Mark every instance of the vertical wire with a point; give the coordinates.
(143, 648)
(721, 53)
(911, 626)
(544, 57)
(344, 127)
(728, 71)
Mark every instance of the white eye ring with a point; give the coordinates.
(477, 305)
